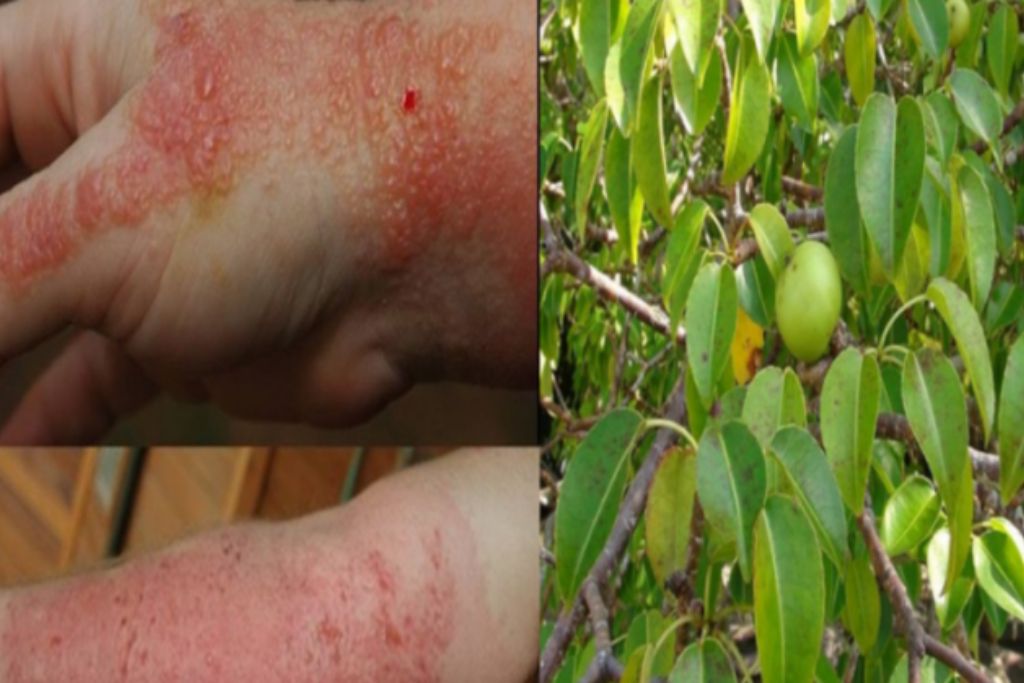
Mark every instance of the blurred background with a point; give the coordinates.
(64, 510)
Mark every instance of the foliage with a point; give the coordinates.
(855, 515)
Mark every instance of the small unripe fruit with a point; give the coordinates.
(959, 21)
(808, 296)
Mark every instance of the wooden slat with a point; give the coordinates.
(246, 486)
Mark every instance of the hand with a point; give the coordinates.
(295, 210)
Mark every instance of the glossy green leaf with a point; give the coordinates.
(614, 90)
(789, 593)
(937, 214)
(625, 203)
(846, 236)
(1001, 46)
(668, 513)
(812, 18)
(935, 407)
(889, 165)
(980, 233)
(645, 631)
(774, 399)
(710, 325)
(647, 150)
(589, 498)
(772, 234)
(948, 603)
(703, 662)
(591, 147)
(1011, 424)
(595, 39)
(696, 22)
(910, 515)
(749, 112)
(859, 55)
(963, 322)
(810, 478)
(999, 566)
(797, 79)
(683, 258)
(977, 104)
(862, 610)
(756, 289)
(941, 124)
(931, 23)
(762, 15)
(960, 518)
(731, 484)
(695, 102)
(637, 46)
(849, 408)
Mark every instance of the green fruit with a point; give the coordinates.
(959, 21)
(808, 296)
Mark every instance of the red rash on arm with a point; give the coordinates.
(259, 605)
(422, 117)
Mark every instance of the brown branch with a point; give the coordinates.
(603, 666)
(903, 610)
(1009, 123)
(954, 660)
(802, 190)
(626, 520)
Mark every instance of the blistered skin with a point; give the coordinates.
(417, 113)
(247, 605)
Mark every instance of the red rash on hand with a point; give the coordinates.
(237, 608)
(391, 105)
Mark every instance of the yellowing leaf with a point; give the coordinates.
(746, 347)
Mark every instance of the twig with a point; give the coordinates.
(802, 190)
(954, 660)
(626, 520)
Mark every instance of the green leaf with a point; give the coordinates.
(772, 234)
(696, 23)
(859, 55)
(703, 662)
(811, 23)
(999, 566)
(643, 635)
(849, 408)
(682, 258)
(756, 289)
(1001, 46)
(960, 515)
(980, 233)
(696, 103)
(615, 91)
(948, 603)
(962, 320)
(797, 79)
(789, 593)
(977, 104)
(731, 484)
(846, 235)
(595, 39)
(1011, 424)
(889, 165)
(749, 112)
(936, 211)
(814, 485)
(762, 16)
(910, 515)
(668, 512)
(625, 203)
(935, 407)
(941, 124)
(637, 46)
(710, 325)
(931, 23)
(591, 146)
(774, 399)
(862, 611)
(590, 495)
(648, 153)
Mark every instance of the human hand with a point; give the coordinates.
(295, 210)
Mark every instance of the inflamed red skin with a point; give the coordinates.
(388, 590)
(276, 169)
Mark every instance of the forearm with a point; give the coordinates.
(393, 588)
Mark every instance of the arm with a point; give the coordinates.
(420, 579)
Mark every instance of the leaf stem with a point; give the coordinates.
(661, 423)
(913, 301)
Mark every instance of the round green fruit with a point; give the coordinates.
(808, 297)
(959, 21)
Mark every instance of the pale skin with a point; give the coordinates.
(420, 579)
(295, 210)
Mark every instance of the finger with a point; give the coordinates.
(63, 66)
(80, 396)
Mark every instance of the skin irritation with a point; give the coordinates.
(239, 607)
(416, 116)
